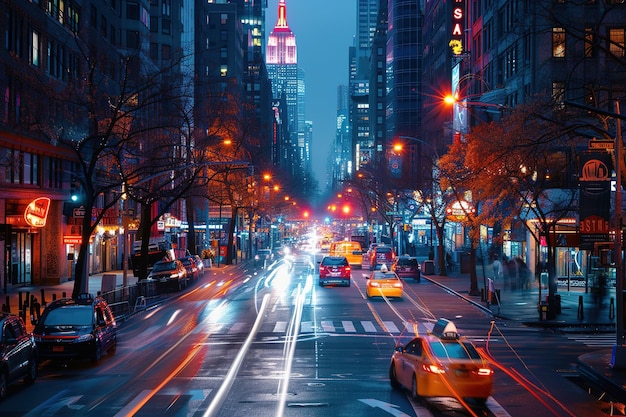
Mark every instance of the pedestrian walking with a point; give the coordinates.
(497, 268)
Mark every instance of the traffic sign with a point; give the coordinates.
(609, 145)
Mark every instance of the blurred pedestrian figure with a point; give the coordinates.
(600, 288)
(511, 268)
(497, 268)
(523, 273)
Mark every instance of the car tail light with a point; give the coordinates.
(374, 284)
(484, 371)
(433, 369)
(348, 269)
(397, 284)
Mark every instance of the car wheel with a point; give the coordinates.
(393, 377)
(97, 353)
(414, 393)
(4, 385)
(32, 371)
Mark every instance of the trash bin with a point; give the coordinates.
(428, 267)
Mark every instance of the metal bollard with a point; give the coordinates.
(581, 314)
(612, 309)
(8, 305)
(43, 297)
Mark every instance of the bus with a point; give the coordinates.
(350, 249)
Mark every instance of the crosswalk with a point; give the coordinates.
(327, 326)
(595, 340)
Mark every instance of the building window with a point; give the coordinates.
(589, 39)
(132, 10)
(558, 42)
(616, 37)
(166, 26)
(154, 24)
(132, 39)
(165, 52)
(35, 50)
(223, 70)
(558, 92)
(154, 51)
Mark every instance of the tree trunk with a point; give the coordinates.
(441, 251)
(191, 234)
(473, 276)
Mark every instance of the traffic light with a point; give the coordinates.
(75, 190)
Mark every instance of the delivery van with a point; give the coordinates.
(350, 249)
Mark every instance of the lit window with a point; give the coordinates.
(35, 49)
(223, 70)
(616, 37)
(558, 42)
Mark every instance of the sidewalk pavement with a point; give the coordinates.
(579, 312)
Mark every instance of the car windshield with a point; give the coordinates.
(382, 249)
(407, 262)
(454, 350)
(334, 262)
(164, 266)
(75, 315)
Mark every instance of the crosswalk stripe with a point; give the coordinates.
(237, 327)
(307, 327)
(348, 326)
(368, 326)
(280, 327)
(328, 326)
(391, 327)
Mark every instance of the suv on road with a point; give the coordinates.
(335, 270)
(82, 327)
(18, 353)
(407, 267)
(381, 255)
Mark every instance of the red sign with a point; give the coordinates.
(36, 212)
(594, 224)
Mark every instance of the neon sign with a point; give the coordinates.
(458, 27)
(36, 212)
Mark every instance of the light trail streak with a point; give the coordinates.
(219, 398)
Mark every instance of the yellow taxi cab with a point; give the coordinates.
(442, 364)
(384, 283)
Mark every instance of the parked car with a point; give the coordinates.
(191, 267)
(407, 267)
(263, 257)
(384, 283)
(172, 272)
(441, 364)
(76, 328)
(335, 270)
(18, 353)
(381, 255)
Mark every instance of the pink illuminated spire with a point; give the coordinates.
(281, 43)
(282, 16)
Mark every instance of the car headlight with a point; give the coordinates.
(84, 338)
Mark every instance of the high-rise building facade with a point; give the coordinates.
(287, 81)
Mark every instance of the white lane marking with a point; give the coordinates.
(348, 326)
(368, 326)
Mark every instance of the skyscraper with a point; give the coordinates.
(288, 81)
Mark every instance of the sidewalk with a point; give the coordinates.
(579, 312)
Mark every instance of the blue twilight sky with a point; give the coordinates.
(324, 31)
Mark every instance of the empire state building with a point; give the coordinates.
(288, 83)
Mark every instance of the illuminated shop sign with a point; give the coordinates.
(458, 27)
(36, 212)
